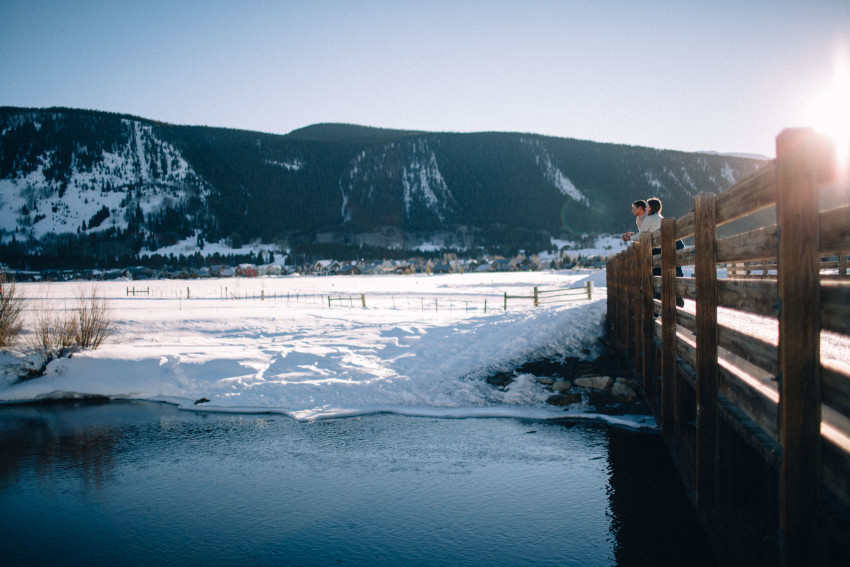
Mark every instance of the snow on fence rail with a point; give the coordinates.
(738, 406)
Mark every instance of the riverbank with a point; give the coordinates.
(422, 345)
(604, 385)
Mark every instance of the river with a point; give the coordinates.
(143, 483)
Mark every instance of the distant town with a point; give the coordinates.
(448, 264)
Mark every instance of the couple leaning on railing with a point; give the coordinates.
(648, 220)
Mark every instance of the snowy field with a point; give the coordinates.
(422, 345)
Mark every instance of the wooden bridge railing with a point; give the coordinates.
(757, 420)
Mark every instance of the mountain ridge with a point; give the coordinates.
(160, 182)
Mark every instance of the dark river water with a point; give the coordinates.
(137, 483)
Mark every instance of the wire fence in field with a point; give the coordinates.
(535, 298)
(382, 299)
(559, 295)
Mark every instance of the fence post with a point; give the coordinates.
(647, 321)
(611, 308)
(668, 326)
(631, 293)
(535, 296)
(799, 346)
(506, 301)
(363, 299)
(590, 290)
(705, 272)
(622, 284)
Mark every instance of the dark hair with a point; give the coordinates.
(654, 205)
(640, 203)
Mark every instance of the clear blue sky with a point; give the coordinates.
(703, 75)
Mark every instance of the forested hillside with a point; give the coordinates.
(105, 186)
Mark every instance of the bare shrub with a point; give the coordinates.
(11, 320)
(54, 335)
(94, 321)
(58, 334)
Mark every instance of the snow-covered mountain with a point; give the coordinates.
(136, 176)
(79, 179)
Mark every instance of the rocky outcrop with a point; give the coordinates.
(606, 384)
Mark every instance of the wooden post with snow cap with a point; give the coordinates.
(798, 168)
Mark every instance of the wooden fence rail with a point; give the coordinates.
(757, 422)
(349, 299)
(559, 295)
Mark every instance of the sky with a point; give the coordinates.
(723, 76)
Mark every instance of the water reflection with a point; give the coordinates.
(145, 483)
(52, 442)
(649, 504)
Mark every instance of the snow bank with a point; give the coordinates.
(423, 345)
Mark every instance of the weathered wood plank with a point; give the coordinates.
(835, 230)
(705, 272)
(685, 226)
(836, 453)
(686, 347)
(753, 395)
(798, 165)
(835, 306)
(655, 239)
(644, 251)
(836, 471)
(753, 296)
(751, 195)
(687, 375)
(669, 384)
(632, 291)
(759, 244)
(686, 320)
(687, 287)
(750, 431)
(686, 257)
(836, 388)
(752, 349)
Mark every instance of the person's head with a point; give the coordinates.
(654, 205)
(639, 208)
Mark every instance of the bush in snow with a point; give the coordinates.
(11, 308)
(59, 334)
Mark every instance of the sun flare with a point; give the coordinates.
(829, 112)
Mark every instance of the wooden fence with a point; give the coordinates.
(559, 295)
(757, 421)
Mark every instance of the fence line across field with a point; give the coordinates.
(537, 297)
(412, 302)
